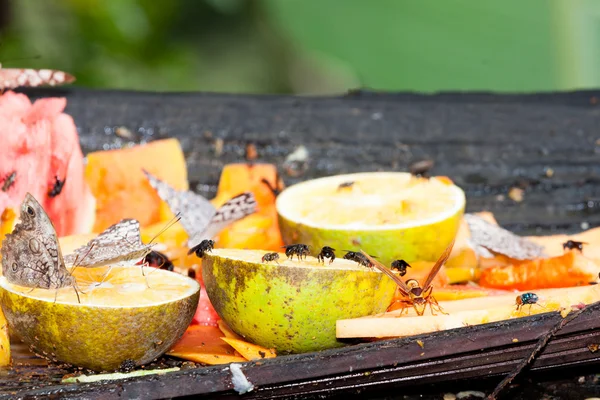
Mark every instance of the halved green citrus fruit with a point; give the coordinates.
(291, 305)
(129, 319)
(391, 215)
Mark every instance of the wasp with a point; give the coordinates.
(298, 250)
(421, 168)
(57, 187)
(159, 260)
(417, 295)
(527, 298)
(270, 257)
(326, 252)
(203, 247)
(345, 185)
(572, 244)
(400, 266)
(9, 180)
(358, 257)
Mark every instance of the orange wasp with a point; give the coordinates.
(416, 295)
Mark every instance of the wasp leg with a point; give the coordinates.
(433, 302)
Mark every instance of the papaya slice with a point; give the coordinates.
(250, 351)
(203, 344)
(227, 331)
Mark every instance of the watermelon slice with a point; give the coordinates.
(40, 145)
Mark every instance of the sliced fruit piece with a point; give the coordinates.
(392, 215)
(248, 350)
(39, 145)
(203, 344)
(291, 306)
(260, 230)
(122, 190)
(227, 331)
(129, 318)
(4, 342)
(466, 312)
(570, 269)
(8, 220)
(554, 243)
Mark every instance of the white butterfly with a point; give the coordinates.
(200, 219)
(11, 78)
(119, 245)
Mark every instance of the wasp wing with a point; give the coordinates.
(403, 288)
(438, 264)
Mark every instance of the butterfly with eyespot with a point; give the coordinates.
(31, 255)
(199, 218)
(11, 78)
(118, 245)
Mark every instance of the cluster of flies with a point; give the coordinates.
(54, 190)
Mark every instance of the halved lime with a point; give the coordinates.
(391, 215)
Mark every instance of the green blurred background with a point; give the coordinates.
(308, 46)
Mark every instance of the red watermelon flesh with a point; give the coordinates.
(39, 143)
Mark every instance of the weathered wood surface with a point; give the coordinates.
(485, 143)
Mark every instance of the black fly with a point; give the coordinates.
(159, 260)
(421, 168)
(358, 257)
(298, 250)
(572, 244)
(57, 187)
(326, 252)
(9, 180)
(400, 266)
(345, 185)
(270, 257)
(203, 247)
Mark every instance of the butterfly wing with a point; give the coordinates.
(31, 255)
(196, 212)
(11, 78)
(119, 244)
(438, 264)
(233, 210)
(499, 240)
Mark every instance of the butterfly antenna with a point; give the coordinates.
(172, 222)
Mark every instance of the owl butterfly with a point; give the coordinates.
(31, 255)
(11, 78)
(199, 218)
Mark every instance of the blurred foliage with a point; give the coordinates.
(309, 46)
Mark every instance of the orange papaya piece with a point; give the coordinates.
(203, 344)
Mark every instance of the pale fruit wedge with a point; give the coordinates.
(128, 319)
(391, 215)
(466, 312)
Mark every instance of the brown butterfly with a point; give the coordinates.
(31, 255)
(11, 78)
(417, 295)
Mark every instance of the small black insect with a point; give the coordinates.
(9, 180)
(400, 266)
(192, 273)
(358, 257)
(298, 250)
(204, 246)
(345, 185)
(57, 187)
(421, 168)
(157, 259)
(326, 252)
(572, 244)
(270, 257)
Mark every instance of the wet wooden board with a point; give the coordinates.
(547, 144)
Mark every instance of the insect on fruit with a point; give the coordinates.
(345, 185)
(9, 180)
(417, 295)
(268, 257)
(358, 257)
(527, 298)
(326, 252)
(421, 168)
(572, 244)
(298, 250)
(203, 247)
(400, 266)
(57, 187)
(157, 259)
